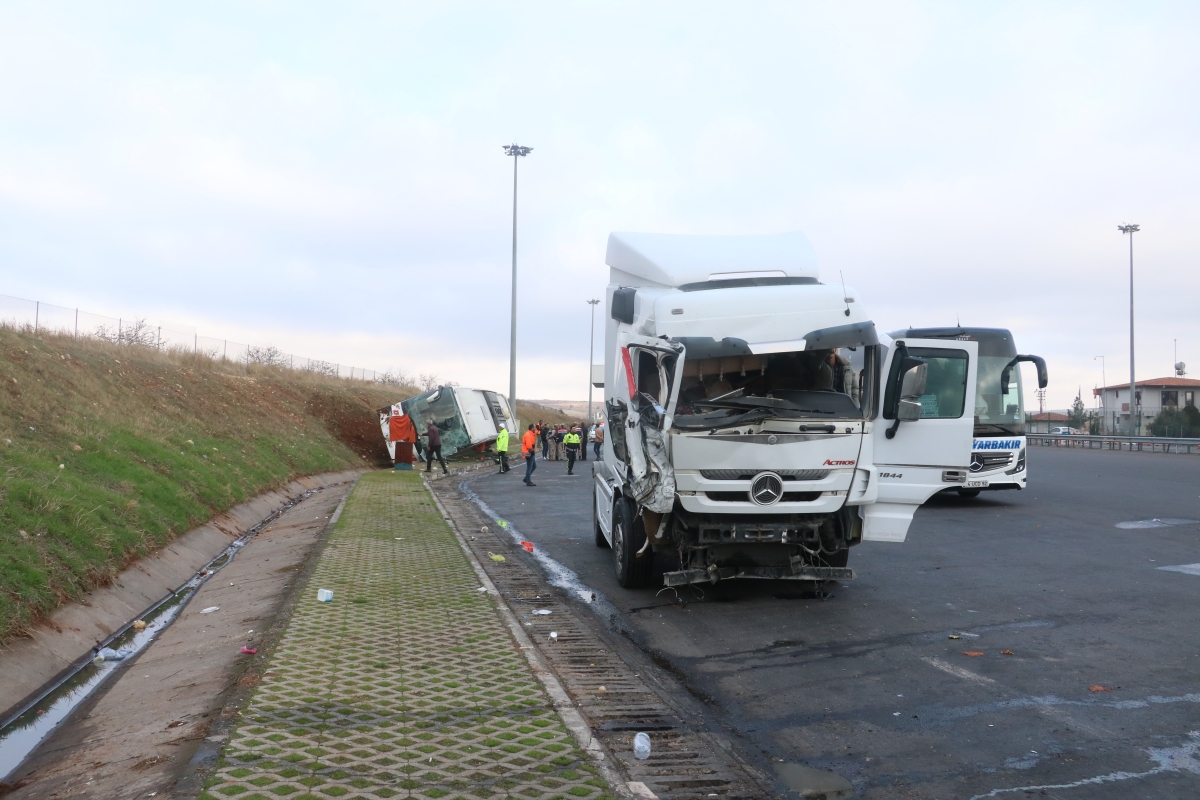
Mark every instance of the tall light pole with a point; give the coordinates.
(591, 358)
(1103, 385)
(517, 152)
(1131, 230)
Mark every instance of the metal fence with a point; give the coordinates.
(18, 313)
(1143, 444)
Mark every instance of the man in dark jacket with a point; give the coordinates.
(433, 448)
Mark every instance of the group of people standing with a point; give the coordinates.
(555, 441)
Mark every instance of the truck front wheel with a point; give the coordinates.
(628, 537)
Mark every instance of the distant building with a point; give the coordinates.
(1042, 423)
(1154, 396)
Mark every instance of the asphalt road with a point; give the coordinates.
(867, 683)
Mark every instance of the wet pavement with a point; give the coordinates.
(1075, 674)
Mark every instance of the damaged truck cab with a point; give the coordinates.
(758, 424)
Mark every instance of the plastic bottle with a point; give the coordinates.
(641, 746)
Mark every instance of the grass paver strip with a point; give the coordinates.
(407, 685)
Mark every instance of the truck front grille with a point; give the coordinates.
(744, 497)
(745, 474)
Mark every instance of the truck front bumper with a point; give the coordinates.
(715, 573)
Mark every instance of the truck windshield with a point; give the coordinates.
(823, 384)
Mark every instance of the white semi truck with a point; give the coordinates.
(759, 425)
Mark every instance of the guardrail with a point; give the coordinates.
(1146, 444)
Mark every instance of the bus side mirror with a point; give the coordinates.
(1037, 361)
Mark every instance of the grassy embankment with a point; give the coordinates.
(109, 452)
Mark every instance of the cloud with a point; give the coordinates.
(335, 179)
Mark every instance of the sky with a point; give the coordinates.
(329, 178)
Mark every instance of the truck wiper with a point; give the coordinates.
(1000, 428)
(725, 401)
(719, 419)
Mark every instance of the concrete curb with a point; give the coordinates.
(558, 695)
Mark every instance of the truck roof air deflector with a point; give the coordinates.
(855, 334)
(676, 260)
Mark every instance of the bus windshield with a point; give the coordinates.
(996, 413)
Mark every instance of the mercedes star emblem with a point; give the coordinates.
(766, 489)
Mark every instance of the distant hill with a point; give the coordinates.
(575, 409)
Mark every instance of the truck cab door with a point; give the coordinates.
(642, 403)
(922, 456)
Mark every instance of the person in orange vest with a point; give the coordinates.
(529, 444)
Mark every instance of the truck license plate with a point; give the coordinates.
(978, 483)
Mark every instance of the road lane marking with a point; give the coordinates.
(1186, 569)
(957, 672)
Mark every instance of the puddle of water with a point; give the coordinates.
(1145, 524)
(557, 574)
(814, 784)
(21, 735)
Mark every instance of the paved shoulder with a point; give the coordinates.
(406, 684)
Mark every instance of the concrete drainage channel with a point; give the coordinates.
(23, 732)
(618, 696)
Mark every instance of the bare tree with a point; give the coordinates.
(267, 356)
(395, 377)
(323, 368)
(137, 332)
(429, 381)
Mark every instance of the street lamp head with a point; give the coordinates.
(593, 302)
(1129, 228)
(516, 150)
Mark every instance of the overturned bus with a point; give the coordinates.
(465, 417)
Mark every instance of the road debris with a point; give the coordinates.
(541, 612)
(139, 625)
(972, 653)
(641, 746)
(497, 558)
(324, 596)
(249, 650)
(210, 609)
(1098, 688)
(954, 636)
(1007, 653)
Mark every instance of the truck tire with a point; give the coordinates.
(596, 530)
(628, 536)
(968, 493)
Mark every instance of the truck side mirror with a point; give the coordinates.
(622, 305)
(901, 401)
(908, 411)
(1037, 361)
